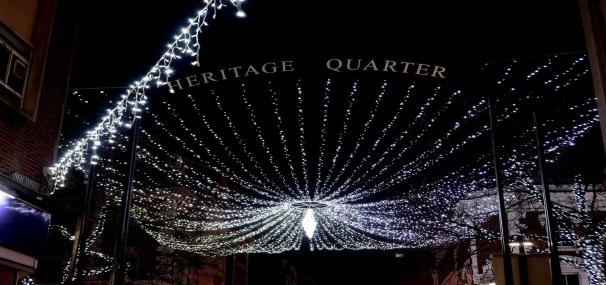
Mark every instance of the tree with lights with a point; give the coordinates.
(579, 209)
(584, 224)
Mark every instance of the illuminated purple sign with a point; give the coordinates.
(22, 227)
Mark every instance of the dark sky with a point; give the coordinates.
(120, 40)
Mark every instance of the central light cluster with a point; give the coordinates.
(309, 223)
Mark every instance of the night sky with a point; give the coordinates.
(119, 40)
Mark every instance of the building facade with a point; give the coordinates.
(36, 44)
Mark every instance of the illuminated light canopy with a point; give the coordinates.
(231, 172)
(363, 165)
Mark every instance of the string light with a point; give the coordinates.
(187, 42)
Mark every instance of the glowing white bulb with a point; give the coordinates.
(241, 14)
(309, 223)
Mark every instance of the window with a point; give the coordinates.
(571, 279)
(14, 67)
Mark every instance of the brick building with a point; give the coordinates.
(36, 43)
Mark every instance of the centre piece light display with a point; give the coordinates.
(337, 161)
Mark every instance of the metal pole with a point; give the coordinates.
(83, 229)
(550, 223)
(503, 223)
(522, 262)
(118, 273)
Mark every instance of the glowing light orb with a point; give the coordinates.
(309, 223)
